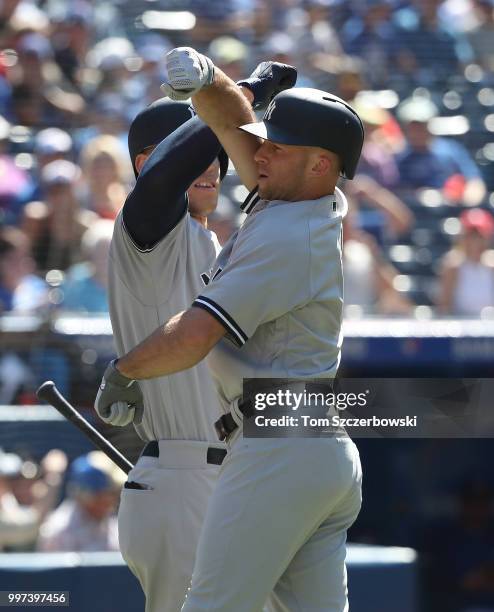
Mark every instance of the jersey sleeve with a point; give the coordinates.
(266, 276)
(150, 275)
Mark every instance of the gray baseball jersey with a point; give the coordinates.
(146, 288)
(278, 284)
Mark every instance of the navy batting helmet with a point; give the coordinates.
(313, 118)
(156, 122)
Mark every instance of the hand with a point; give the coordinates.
(188, 72)
(119, 400)
(267, 80)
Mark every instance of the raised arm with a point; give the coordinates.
(158, 200)
(224, 108)
(222, 104)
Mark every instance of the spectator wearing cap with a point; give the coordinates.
(71, 38)
(21, 290)
(109, 61)
(106, 175)
(86, 285)
(22, 510)
(56, 224)
(429, 161)
(51, 144)
(466, 282)
(85, 521)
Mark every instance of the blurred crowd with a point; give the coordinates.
(73, 74)
(52, 507)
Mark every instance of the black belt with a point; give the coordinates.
(226, 424)
(214, 455)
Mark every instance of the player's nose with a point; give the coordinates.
(261, 155)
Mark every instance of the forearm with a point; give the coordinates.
(223, 105)
(157, 202)
(178, 345)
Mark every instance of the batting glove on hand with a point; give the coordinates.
(119, 400)
(267, 80)
(188, 72)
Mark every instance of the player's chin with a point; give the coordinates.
(202, 201)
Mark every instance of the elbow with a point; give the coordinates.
(201, 332)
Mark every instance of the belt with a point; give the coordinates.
(226, 424)
(214, 455)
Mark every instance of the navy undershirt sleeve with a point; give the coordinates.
(158, 200)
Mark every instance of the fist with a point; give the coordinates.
(188, 72)
(267, 80)
(119, 400)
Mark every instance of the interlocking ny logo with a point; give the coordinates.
(269, 110)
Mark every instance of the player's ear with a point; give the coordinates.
(139, 162)
(320, 164)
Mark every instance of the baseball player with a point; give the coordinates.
(161, 252)
(278, 517)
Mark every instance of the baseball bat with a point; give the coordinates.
(50, 394)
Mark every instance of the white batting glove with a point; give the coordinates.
(188, 72)
(119, 414)
(119, 400)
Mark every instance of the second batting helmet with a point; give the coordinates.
(313, 118)
(157, 121)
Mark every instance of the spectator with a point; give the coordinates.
(107, 175)
(427, 161)
(71, 39)
(230, 55)
(467, 273)
(22, 509)
(18, 525)
(219, 18)
(56, 225)
(371, 35)
(280, 47)
(41, 97)
(368, 277)
(20, 289)
(15, 185)
(427, 52)
(86, 520)
(316, 38)
(392, 214)
(378, 159)
(85, 288)
(51, 144)
(481, 36)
